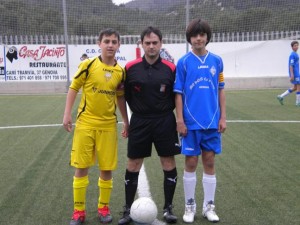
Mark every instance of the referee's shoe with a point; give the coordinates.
(169, 216)
(126, 219)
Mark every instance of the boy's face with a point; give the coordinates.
(295, 47)
(109, 45)
(199, 41)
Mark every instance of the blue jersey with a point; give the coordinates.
(294, 62)
(199, 79)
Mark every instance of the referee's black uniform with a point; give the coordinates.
(149, 94)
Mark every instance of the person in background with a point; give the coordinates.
(201, 116)
(293, 74)
(84, 56)
(95, 137)
(149, 94)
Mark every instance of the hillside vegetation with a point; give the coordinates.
(34, 17)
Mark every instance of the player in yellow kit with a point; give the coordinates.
(95, 135)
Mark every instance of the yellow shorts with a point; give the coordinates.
(89, 145)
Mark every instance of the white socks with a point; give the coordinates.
(287, 92)
(209, 188)
(189, 185)
(209, 183)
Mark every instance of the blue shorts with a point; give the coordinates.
(201, 140)
(296, 80)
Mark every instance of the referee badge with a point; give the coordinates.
(162, 88)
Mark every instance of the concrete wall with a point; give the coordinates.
(33, 87)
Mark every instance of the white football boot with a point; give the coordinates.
(190, 211)
(209, 212)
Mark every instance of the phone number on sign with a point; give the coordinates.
(36, 77)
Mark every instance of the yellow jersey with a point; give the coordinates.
(100, 84)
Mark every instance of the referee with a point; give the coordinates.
(149, 94)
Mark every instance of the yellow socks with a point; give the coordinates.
(105, 188)
(79, 192)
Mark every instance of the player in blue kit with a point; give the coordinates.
(201, 116)
(293, 74)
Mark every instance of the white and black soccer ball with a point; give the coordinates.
(143, 211)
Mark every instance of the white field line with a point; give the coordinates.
(143, 185)
(228, 121)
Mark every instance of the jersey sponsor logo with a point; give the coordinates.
(203, 67)
(107, 70)
(202, 80)
(99, 91)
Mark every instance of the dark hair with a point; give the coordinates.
(294, 43)
(150, 30)
(198, 26)
(108, 32)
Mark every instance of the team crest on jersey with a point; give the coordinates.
(107, 76)
(213, 71)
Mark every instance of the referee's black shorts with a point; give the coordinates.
(159, 130)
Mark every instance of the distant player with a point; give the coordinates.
(293, 74)
(201, 116)
(95, 137)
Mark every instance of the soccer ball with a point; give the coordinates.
(143, 211)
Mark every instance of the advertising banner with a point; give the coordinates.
(34, 63)
(2, 58)
(23, 63)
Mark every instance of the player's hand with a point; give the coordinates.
(124, 132)
(67, 123)
(181, 128)
(222, 125)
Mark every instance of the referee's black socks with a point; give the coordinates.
(131, 183)
(170, 181)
